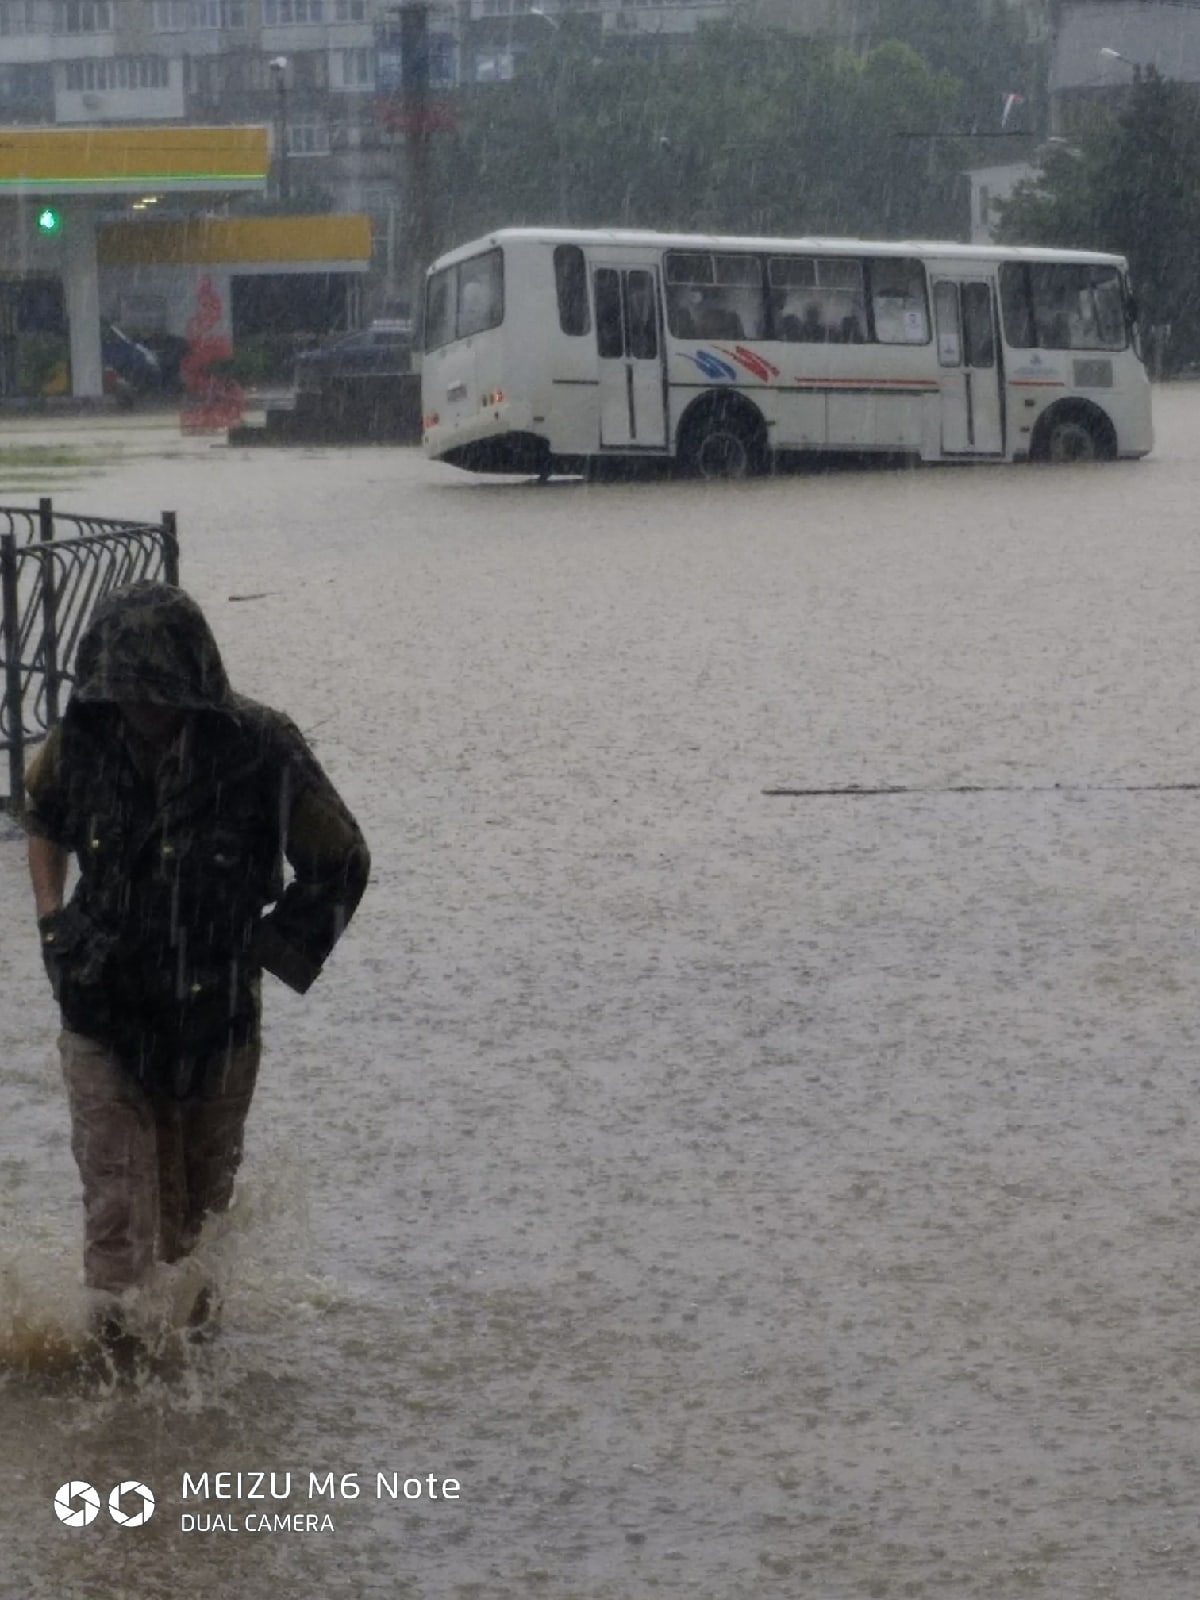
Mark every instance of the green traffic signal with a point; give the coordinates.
(49, 220)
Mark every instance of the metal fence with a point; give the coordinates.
(54, 567)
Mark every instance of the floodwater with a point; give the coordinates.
(736, 1194)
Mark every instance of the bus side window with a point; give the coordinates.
(795, 315)
(719, 322)
(679, 312)
(1076, 307)
(642, 314)
(688, 272)
(441, 308)
(1016, 306)
(610, 327)
(808, 329)
(480, 294)
(949, 328)
(979, 344)
(738, 308)
(715, 296)
(898, 301)
(843, 299)
(570, 281)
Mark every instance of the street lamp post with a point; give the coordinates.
(412, 18)
(1137, 68)
(279, 66)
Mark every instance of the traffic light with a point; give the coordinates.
(49, 220)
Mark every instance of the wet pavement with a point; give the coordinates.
(736, 1194)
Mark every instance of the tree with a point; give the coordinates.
(751, 130)
(984, 45)
(1131, 183)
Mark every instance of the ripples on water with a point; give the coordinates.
(738, 1196)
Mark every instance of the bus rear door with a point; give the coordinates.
(968, 355)
(633, 409)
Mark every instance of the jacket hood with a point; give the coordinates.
(150, 642)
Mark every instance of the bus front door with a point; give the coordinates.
(633, 410)
(968, 355)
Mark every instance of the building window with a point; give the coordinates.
(18, 16)
(281, 13)
(309, 69)
(84, 16)
(171, 16)
(118, 72)
(350, 11)
(357, 69)
(308, 139)
(378, 198)
(210, 14)
(26, 84)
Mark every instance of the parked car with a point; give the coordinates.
(382, 348)
(130, 368)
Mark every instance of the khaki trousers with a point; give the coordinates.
(152, 1168)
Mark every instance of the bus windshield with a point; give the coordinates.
(1063, 306)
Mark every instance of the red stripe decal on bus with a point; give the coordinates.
(755, 364)
(869, 383)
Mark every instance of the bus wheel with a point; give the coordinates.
(1072, 434)
(725, 442)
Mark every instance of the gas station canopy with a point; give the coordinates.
(87, 167)
(104, 161)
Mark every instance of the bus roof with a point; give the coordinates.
(928, 249)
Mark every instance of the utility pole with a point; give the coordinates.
(279, 71)
(1054, 109)
(414, 85)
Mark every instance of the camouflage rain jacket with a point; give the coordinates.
(161, 949)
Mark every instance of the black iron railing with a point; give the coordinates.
(54, 567)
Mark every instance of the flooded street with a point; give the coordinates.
(736, 1194)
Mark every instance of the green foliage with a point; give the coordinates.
(750, 130)
(259, 359)
(43, 361)
(1131, 183)
(984, 45)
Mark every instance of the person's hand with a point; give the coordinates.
(50, 929)
(71, 940)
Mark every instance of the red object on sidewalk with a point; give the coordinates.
(214, 401)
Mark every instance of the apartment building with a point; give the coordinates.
(329, 69)
(316, 68)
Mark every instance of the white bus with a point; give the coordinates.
(547, 350)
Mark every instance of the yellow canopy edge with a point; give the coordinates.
(165, 157)
(341, 237)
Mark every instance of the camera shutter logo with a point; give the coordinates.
(144, 1505)
(76, 1504)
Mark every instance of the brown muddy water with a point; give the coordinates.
(737, 1195)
